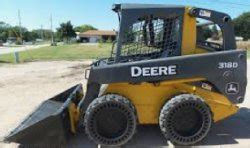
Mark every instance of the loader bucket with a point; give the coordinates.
(50, 122)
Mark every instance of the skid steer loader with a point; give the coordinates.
(161, 72)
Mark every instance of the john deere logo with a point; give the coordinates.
(137, 71)
(232, 88)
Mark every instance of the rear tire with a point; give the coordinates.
(185, 119)
(110, 120)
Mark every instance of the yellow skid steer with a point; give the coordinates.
(162, 71)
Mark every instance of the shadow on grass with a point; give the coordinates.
(5, 62)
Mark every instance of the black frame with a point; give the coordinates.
(225, 23)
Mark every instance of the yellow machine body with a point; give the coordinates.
(148, 98)
(189, 35)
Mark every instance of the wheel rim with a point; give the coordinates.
(111, 123)
(185, 120)
(110, 120)
(189, 121)
(198, 119)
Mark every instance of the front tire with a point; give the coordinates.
(185, 119)
(110, 120)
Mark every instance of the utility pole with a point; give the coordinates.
(51, 29)
(42, 32)
(20, 26)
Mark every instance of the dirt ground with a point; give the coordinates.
(24, 86)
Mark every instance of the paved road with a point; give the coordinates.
(4, 50)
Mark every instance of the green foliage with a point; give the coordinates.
(84, 28)
(215, 30)
(100, 42)
(18, 42)
(4, 28)
(33, 36)
(44, 34)
(3, 36)
(207, 32)
(7, 31)
(58, 37)
(242, 25)
(109, 40)
(66, 31)
(215, 33)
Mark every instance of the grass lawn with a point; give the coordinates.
(61, 52)
(64, 52)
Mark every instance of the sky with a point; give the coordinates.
(36, 13)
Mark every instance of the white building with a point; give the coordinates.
(93, 36)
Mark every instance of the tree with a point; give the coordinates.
(66, 31)
(8, 31)
(207, 33)
(84, 28)
(44, 34)
(242, 25)
(215, 30)
(215, 33)
(4, 31)
(3, 36)
(33, 35)
(15, 32)
(58, 37)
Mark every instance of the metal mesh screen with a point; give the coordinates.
(151, 37)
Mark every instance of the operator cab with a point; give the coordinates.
(157, 31)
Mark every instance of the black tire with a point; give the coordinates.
(110, 120)
(185, 119)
